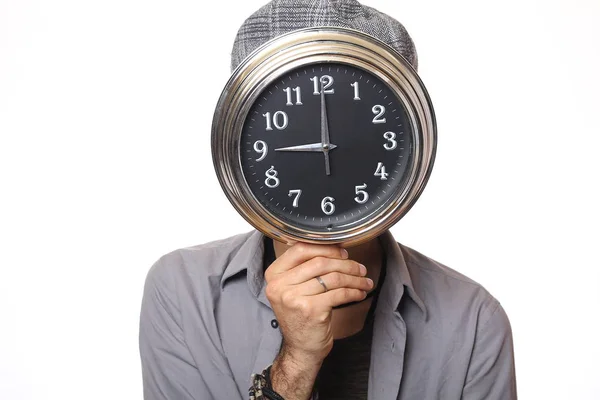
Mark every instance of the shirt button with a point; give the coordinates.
(274, 323)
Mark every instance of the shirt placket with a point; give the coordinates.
(387, 357)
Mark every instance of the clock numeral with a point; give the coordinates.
(355, 86)
(326, 81)
(288, 91)
(297, 193)
(272, 180)
(363, 196)
(280, 120)
(327, 205)
(391, 138)
(378, 111)
(261, 147)
(380, 171)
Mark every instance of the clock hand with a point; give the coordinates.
(312, 147)
(326, 146)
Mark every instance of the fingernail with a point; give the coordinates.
(363, 270)
(370, 282)
(344, 253)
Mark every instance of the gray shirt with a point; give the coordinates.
(207, 325)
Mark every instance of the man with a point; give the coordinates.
(378, 321)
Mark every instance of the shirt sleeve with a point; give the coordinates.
(491, 372)
(168, 369)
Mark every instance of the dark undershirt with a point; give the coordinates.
(345, 371)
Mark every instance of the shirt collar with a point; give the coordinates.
(398, 277)
(249, 257)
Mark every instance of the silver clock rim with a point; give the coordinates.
(305, 47)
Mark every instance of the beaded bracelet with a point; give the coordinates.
(261, 387)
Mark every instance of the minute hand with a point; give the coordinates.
(325, 145)
(312, 147)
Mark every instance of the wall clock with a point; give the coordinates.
(323, 135)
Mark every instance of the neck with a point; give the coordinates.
(349, 320)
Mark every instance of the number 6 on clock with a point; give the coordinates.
(327, 205)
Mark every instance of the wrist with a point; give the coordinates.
(302, 359)
(293, 376)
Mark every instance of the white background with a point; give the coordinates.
(105, 116)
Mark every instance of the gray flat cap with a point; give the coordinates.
(282, 16)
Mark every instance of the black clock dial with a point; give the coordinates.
(325, 146)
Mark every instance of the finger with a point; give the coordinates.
(337, 297)
(319, 266)
(301, 252)
(333, 281)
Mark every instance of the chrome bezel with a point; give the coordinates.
(305, 47)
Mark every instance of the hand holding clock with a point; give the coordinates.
(303, 309)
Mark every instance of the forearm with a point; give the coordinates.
(294, 377)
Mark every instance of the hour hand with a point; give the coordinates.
(311, 147)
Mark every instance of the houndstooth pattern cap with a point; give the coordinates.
(282, 16)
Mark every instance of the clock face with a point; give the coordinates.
(326, 146)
